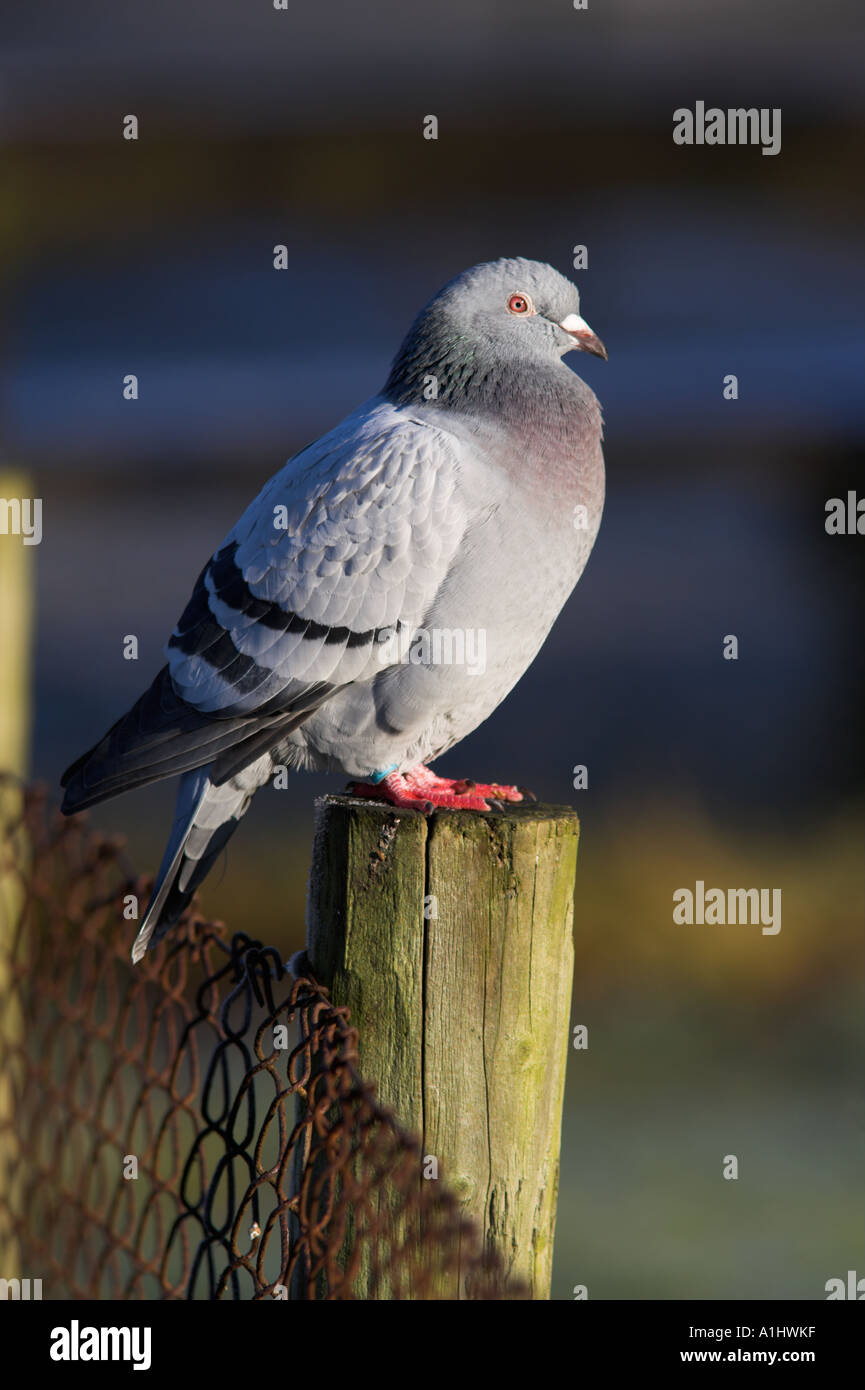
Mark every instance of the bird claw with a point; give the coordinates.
(420, 789)
(394, 796)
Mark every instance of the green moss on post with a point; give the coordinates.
(450, 940)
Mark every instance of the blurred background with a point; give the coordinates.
(304, 127)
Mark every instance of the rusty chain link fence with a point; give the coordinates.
(194, 1127)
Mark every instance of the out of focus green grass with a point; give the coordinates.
(709, 1041)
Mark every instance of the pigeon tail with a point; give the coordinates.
(205, 818)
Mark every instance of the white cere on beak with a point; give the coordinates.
(574, 324)
(583, 337)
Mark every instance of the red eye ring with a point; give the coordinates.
(521, 304)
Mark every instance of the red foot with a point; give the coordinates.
(420, 789)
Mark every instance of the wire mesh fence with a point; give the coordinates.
(194, 1127)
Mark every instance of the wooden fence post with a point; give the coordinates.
(450, 940)
(16, 616)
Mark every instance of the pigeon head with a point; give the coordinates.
(488, 323)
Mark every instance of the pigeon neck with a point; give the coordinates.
(529, 399)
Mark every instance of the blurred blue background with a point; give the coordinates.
(302, 127)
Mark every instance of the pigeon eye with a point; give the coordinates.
(520, 304)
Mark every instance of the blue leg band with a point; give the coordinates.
(385, 772)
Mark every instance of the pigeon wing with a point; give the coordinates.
(348, 542)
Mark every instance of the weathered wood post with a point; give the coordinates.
(16, 615)
(16, 620)
(450, 940)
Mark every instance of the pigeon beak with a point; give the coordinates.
(583, 337)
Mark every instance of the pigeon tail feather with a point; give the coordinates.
(205, 818)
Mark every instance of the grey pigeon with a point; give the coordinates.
(387, 587)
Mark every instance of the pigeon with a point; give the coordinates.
(387, 587)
